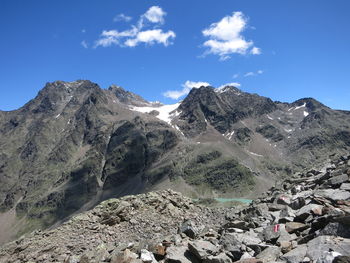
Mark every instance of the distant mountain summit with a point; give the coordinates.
(76, 144)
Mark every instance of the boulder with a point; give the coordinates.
(178, 254)
(333, 194)
(307, 210)
(189, 229)
(221, 258)
(341, 259)
(272, 233)
(147, 257)
(202, 249)
(319, 247)
(292, 227)
(275, 207)
(336, 229)
(125, 257)
(269, 254)
(297, 203)
(296, 255)
(237, 224)
(337, 180)
(230, 243)
(283, 199)
(345, 186)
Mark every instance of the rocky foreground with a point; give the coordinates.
(305, 219)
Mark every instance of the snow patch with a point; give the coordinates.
(306, 113)
(231, 134)
(268, 116)
(178, 129)
(164, 111)
(299, 107)
(288, 130)
(255, 154)
(57, 116)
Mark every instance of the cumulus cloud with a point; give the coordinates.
(137, 33)
(122, 17)
(151, 37)
(154, 14)
(255, 51)
(187, 86)
(225, 37)
(250, 74)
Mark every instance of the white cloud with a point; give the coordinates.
(155, 14)
(250, 74)
(136, 35)
(255, 51)
(235, 76)
(225, 37)
(84, 44)
(122, 17)
(187, 86)
(151, 37)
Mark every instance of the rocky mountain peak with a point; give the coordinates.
(127, 97)
(228, 88)
(309, 103)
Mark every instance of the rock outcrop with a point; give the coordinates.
(304, 219)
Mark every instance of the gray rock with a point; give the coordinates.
(297, 203)
(125, 257)
(337, 180)
(307, 210)
(221, 258)
(230, 243)
(336, 229)
(177, 255)
(269, 254)
(147, 257)
(272, 233)
(333, 194)
(275, 207)
(237, 224)
(341, 259)
(292, 227)
(319, 247)
(202, 249)
(189, 229)
(345, 186)
(296, 255)
(283, 199)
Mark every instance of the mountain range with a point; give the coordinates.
(75, 145)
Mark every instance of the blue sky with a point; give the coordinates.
(284, 50)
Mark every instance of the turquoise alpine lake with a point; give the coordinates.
(242, 200)
(224, 200)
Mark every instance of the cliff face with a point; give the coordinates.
(76, 144)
